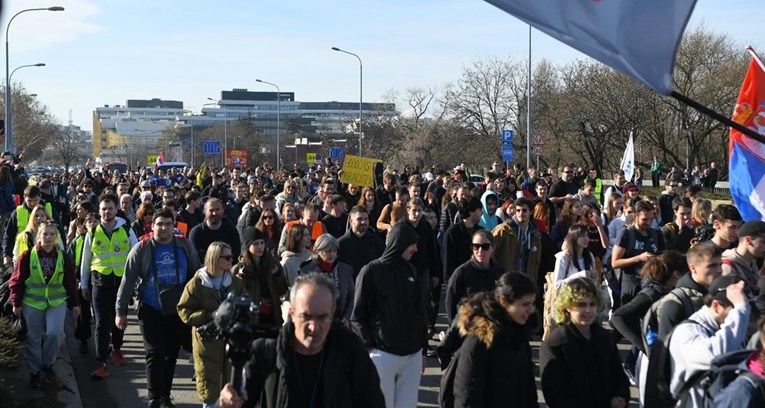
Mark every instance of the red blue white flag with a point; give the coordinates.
(161, 158)
(747, 156)
(636, 37)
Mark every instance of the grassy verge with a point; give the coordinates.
(14, 382)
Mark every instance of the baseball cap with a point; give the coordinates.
(629, 187)
(145, 184)
(754, 228)
(718, 287)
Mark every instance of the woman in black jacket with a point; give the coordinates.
(478, 274)
(494, 367)
(579, 363)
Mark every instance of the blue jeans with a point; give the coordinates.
(44, 327)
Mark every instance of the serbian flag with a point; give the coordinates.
(636, 37)
(747, 156)
(161, 158)
(628, 159)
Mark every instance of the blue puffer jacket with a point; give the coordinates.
(7, 205)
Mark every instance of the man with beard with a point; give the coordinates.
(215, 228)
(104, 254)
(518, 242)
(564, 188)
(359, 245)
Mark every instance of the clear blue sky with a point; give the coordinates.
(107, 51)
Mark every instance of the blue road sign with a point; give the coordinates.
(212, 146)
(507, 136)
(507, 152)
(336, 153)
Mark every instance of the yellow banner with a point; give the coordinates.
(310, 158)
(151, 159)
(359, 171)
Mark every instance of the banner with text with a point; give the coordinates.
(236, 158)
(359, 171)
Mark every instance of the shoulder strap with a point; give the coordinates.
(685, 298)
(757, 382)
(630, 239)
(731, 264)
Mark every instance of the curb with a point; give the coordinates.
(69, 394)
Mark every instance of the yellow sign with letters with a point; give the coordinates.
(359, 171)
(151, 160)
(310, 158)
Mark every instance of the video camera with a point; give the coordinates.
(233, 323)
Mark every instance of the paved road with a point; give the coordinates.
(126, 385)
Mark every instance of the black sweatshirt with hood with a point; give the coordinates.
(390, 307)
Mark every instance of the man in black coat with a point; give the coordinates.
(333, 365)
(215, 228)
(390, 314)
(359, 245)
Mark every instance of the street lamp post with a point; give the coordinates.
(278, 119)
(361, 87)
(8, 113)
(191, 125)
(225, 128)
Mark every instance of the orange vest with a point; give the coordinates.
(318, 229)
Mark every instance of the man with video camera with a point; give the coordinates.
(315, 361)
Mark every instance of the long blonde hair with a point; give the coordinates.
(31, 227)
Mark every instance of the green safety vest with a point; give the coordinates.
(78, 243)
(599, 189)
(109, 255)
(22, 217)
(37, 293)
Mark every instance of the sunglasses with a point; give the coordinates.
(268, 217)
(227, 257)
(485, 246)
(568, 172)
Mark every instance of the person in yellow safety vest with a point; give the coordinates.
(592, 175)
(82, 331)
(104, 254)
(41, 287)
(20, 218)
(26, 238)
(311, 220)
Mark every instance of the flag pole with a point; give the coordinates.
(717, 116)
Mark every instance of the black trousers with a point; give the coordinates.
(83, 331)
(435, 300)
(630, 287)
(104, 299)
(162, 344)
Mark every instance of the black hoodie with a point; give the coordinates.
(390, 307)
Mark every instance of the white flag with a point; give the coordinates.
(628, 160)
(637, 37)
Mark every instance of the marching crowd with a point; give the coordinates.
(352, 278)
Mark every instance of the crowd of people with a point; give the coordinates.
(352, 278)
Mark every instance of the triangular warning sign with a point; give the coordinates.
(537, 141)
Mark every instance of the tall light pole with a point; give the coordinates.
(528, 110)
(181, 123)
(278, 119)
(225, 128)
(361, 87)
(8, 113)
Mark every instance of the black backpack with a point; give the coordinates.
(446, 394)
(659, 373)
